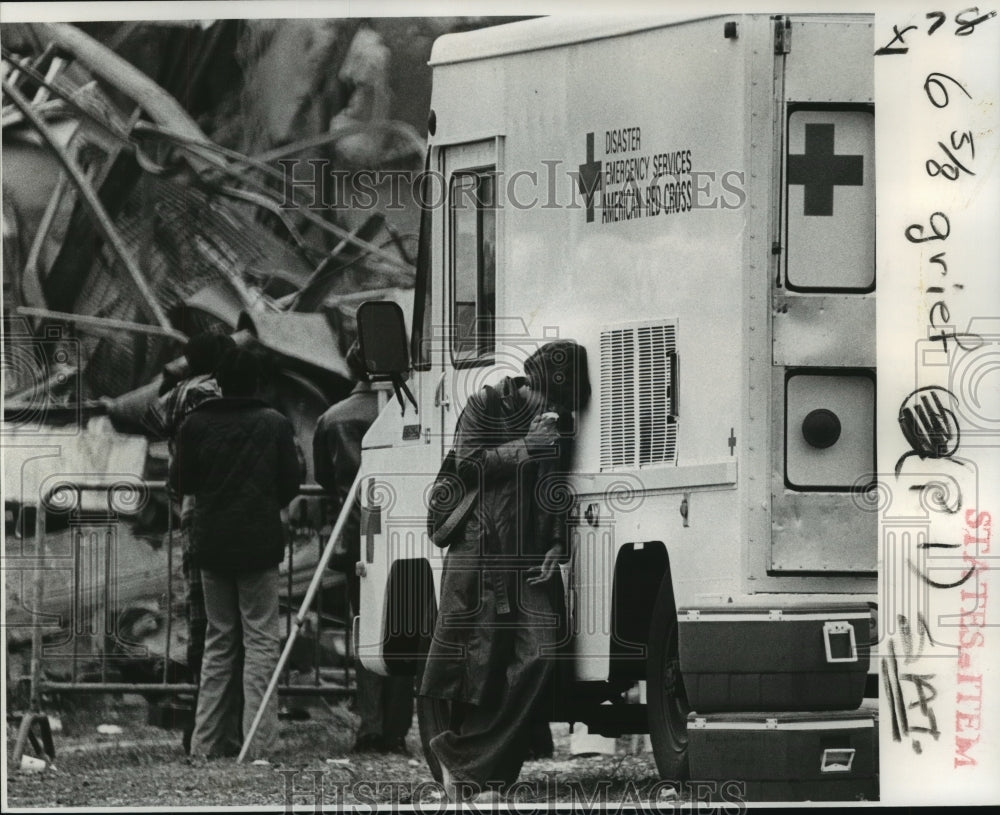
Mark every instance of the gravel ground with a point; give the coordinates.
(145, 766)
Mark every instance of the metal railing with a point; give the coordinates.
(125, 496)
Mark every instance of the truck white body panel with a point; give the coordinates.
(687, 253)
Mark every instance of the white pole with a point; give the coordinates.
(317, 578)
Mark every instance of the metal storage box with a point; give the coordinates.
(786, 756)
(805, 658)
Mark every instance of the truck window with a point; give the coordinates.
(472, 210)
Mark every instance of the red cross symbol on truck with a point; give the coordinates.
(819, 169)
(589, 177)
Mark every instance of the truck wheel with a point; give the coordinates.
(666, 702)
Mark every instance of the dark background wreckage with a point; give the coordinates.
(144, 201)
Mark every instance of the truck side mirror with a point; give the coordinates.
(382, 336)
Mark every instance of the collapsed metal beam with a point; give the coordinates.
(294, 301)
(269, 204)
(30, 273)
(13, 117)
(101, 217)
(70, 99)
(200, 148)
(103, 322)
(391, 126)
(124, 76)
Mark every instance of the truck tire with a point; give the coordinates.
(666, 702)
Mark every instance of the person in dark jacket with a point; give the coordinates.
(237, 456)
(163, 419)
(501, 617)
(385, 704)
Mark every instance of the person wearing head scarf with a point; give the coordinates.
(501, 616)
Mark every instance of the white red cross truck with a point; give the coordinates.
(692, 199)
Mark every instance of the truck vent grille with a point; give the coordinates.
(638, 410)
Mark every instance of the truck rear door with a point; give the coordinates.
(823, 301)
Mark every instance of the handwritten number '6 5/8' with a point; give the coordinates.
(952, 171)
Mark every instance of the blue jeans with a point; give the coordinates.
(240, 606)
(195, 609)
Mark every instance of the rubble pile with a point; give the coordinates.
(146, 199)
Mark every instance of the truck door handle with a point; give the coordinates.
(673, 361)
(440, 400)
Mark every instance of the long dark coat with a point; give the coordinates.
(519, 516)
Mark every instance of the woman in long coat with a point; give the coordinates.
(501, 618)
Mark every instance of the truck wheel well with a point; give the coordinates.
(411, 610)
(639, 570)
